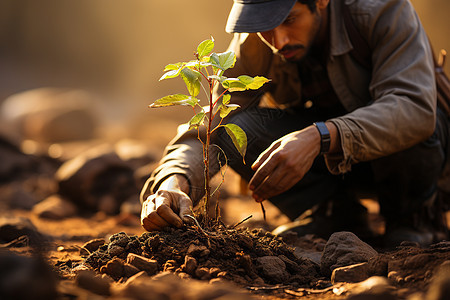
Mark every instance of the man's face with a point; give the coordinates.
(294, 37)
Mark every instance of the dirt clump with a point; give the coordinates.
(246, 257)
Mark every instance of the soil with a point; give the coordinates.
(94, 254)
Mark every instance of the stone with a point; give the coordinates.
(16, 196)
(55, 207)
(143, 264)
(190, 265)
(96, 284)
(96, 180)
(113, 268)
(12, 228)
(272, 268)
(353, 273)
(202, 273)
(344, 249)
(196, 250)
(91, 246)
(52, 115)
(14, 161)
(23, 277)
(129, 270)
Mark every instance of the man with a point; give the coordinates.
(330, 126)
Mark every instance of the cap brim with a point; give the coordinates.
(258, 17)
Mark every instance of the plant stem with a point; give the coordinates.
(206, 157)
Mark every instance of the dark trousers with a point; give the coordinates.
(401, 182)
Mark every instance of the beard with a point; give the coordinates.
(301, 50)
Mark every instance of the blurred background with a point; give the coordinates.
(108, 56)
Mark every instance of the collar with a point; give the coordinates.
(339, 39)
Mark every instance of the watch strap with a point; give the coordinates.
(325, 138)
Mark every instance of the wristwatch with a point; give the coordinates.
(324, 137)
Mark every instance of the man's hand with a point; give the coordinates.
(168, 206)
(287, 160)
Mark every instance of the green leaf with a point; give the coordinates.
(223, 61)
(171, 74)
(225, 109)
(253, 83)
(173, 66)
(177, 99)
(234, 85)
(238, 137)
(226, 99)
(227, 60)
(197, 120)
(192, 79)
(205, 48)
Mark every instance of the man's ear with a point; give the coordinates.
(322, 4)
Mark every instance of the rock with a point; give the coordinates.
(291, 266)
(314, 256)
(344, 249)
(56, 208)
(14, 161)
(440, 286)
(190, 265)
(97, 180)
(196, 250)
(51, 115)
(272, 268)
(246, 263)
(16, 196)
(203, 273)
(142, 263)
(91, 246)
(23, 277)
(12, 228)
(129, 270)
(374, 288)
(117, 268)
(91, 282)
(353, 273)
(113, 268)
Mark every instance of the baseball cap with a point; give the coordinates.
(257, 15)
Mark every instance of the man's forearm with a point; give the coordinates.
(175, 182)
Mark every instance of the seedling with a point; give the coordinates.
(206, 72)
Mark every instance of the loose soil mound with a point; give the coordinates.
(246, 257)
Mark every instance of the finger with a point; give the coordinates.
(149, 225)
(147, 208)
(282, 186)
(264, 155)
(157, 220)
(263, 171)
(273, 184)
(164, 210)
(257, 198)
(185, 208)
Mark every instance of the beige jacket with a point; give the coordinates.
(389, 109)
